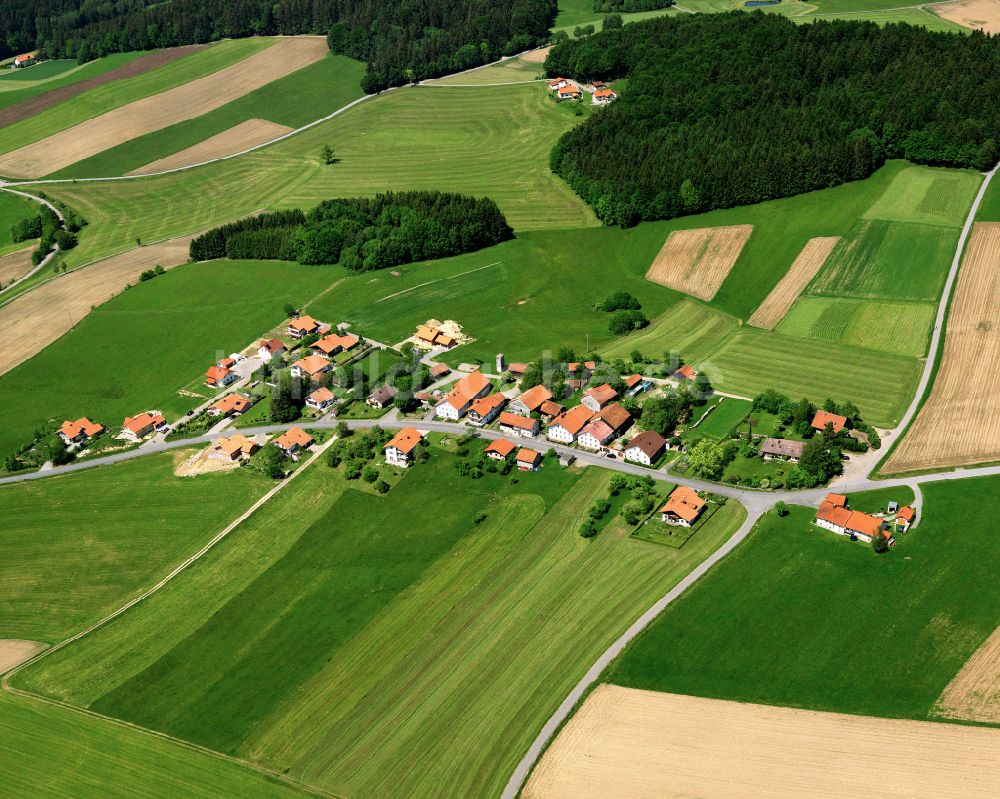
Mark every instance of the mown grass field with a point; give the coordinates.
(879, 11)
(405, 633)
(801, 617)
(47, 69)
(900, 327)
(12, 210)
(58, 752)
(79, 546)
(103, 98)
(299, 98)
(689, 328)
(526, 67)
(15, 91)
(928, 195)
(136, 350)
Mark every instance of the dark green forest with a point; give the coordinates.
(362, 234)
(732, 109)
(400, 40)
(629, 6)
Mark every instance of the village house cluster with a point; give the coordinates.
(565, 89)
(834, 514)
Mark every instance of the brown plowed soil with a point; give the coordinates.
(35, 105)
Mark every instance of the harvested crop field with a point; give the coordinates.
(974, 694)
(628, 743)
(977, 14)
(236, 139)
(803, 269)
(158, 111)
(40, 316)
(698, 261)
(960, 422)
(14, 651)
(15, 265)
(35, 105)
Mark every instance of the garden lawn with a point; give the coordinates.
(12, 210)
(77, 547)
(801, 617)
(57, 752)
(403, 631)
(135, 351)
(14, 91)
(112, 95)
(304, 96)
(720, 422)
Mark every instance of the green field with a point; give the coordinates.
(511, 70)
(295, 100)
(899, 327)
(43, 71)
(404, 633)
(12, 210)
(801, 617)
(54, 751)
(136, 350)
(104, 98)
(928, 195)
(720, 422)
(15, 91)
(689, 328)
(79, 546)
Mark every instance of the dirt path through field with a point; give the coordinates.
(960, 422)
(234, 140)
(14, 651)
(15, 265)
(633, 744)
(698, 261)
(783, 296)
(37, 318)
(974, 693)
(981, 14)
(162, 110)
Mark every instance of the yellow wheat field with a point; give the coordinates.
(698, 261)
(960, 422)
(783, 296)
(15, 265)
(632, 744)
(982, 14)
(974, 693)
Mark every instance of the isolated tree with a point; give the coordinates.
(780, 508)
(880, 544)
(327, 154)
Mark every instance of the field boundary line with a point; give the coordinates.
(437, 280)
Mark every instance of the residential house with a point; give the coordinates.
(645, 448)
(431, 333)
(485, 410)
(569, 92)
(516, 425)
(557, 83)
(230, 405)
(307, 326)
(549, 410)
(636, 384)
(235, 447)
(399, 450)
(293, 441)
(136, 428)
(268, 348)
(499, 448)
(616, 417)
(220, 376)
(382, 398)
(599, 84)
(597, 397)
(595, 434)
(530, 400)
(333, 344)
(79, 431)
(683, 507)
(567, 425)
(518, 369)
(904, 518)
(226, 363)
(24, 60)
(686, 372)
(464, 392)
(579, 373)
(603, 97)
(823, 418)
(528, 460)
(834, 515)
(312, 366)
(321, 399)
(782, 449)
(439, 370)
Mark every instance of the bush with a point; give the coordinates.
(369, 474)
(382, 487)
(620, 300)
(624, 322)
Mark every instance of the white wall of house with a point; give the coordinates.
(636, 455)
(587, 441)
(517, 431)
(445, 410)
(559, 433)
(396, 457)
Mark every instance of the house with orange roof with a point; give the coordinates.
(568, 92)
(595, 434)
(686, 372)
(499, 448)
(636, 384)
(567, 425)
(24, 60)
(230, 405)
(312, 366)
(485, 410)
(321, 399)
(235, 447)
(464, 392)
(824, 418)
(220, 376)
(549, 410)
(603, 96)
(79, 431)
(528, 460)
(136, 428)
(399, 450)
(904, 518)
(293, 442)
(335, 343)
(531, 400)
(307, 326)
(834, 515)
(515, 425)
(268, 348)
(557, 83)
(683, 507)
(597, 397)
(518, 369)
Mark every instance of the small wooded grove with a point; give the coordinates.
(400, 40)
(361, 233)
(723, 110)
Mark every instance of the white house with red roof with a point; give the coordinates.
(463, 393)
(268, 348)
(399, 449)
(79, 431)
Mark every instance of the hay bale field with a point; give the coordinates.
(698, 261)
(960, 422)
(159, 111)
(640, 744)
(803, 269)
(37, 318)
(974, 694)
(981, 15)
(236, 139)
